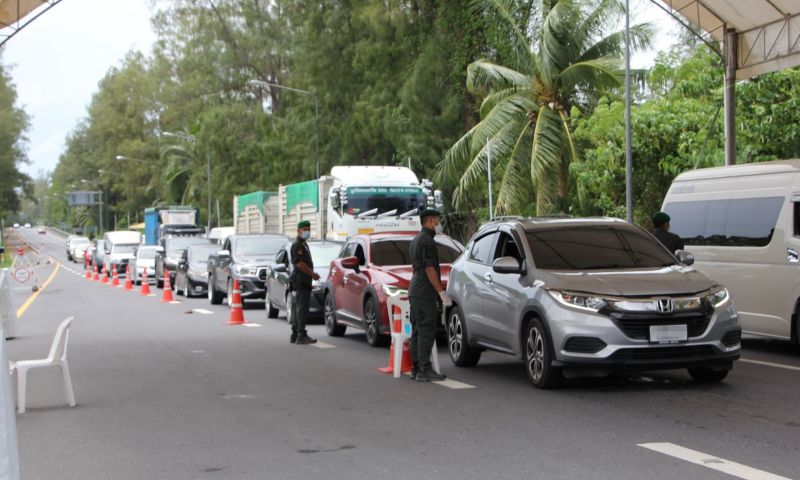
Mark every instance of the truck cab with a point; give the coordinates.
(120, 247)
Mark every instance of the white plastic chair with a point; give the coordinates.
(399, 338)
(56, 358)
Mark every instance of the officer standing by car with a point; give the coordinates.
(425, 292)
(300, 282)
(661, 232)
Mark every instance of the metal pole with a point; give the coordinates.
(316, 128)
(219, 222)
(730, 96)
(101, 213)
(208, 174)
(628, 154)
(489, 165)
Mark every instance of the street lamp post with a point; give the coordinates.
(193, 140)
(268, 85)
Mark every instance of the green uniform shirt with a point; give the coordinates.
(423, 254)
(300, 252)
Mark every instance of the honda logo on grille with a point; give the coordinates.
(664, 305)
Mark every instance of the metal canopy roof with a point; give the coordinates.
(767, 31)
(13, 12)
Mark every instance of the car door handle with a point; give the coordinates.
(488, 276)
(792, 255)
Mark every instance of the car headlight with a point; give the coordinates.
(391, 290)
(245, 270)
(718, 297)
(577, 300)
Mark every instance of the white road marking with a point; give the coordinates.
(770, 364)
(174, 302)
(251, 324)
(454, 384)
(151, 294)
(202, 310)
(322, 345)
(715, 463)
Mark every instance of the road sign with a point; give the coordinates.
(21, 275)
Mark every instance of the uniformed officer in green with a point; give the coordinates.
(425, 293)
(301, 279)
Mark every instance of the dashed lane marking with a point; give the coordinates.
(251, 324)
(450, 383)
(709, 461)
(202, 310)
(322, 345)
(770, 364)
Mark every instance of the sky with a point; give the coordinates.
(58, 60)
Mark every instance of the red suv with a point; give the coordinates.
(369, 269)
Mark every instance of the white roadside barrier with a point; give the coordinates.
(9, 453)
(8, 316)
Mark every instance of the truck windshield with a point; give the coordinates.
(385, 199)
(176, 246)
(258, 246)
(596, 247)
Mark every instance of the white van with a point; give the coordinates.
(120, 248)
(218, 235)
(742, 224)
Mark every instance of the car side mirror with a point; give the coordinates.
(350, 262)
(508, 265)
(224, 253)
(159, 249)
(280, 268)
(684, 257)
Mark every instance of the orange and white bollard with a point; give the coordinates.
(167, 296)
(400, 351)
(114, 276)
(104, 278)
(88, 268)
(237, 314)
(145, 284)
(128, 279)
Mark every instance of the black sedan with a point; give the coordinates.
(278, 298)
(191, 273)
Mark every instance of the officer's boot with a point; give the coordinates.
(428, 374)
(304, 339)
(414, 370)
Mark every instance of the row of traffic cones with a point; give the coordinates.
(237, 313)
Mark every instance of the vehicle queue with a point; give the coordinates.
(570, 297)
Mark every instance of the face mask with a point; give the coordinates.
(305, 235)
(438, 229)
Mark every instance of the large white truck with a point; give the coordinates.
(350, 201)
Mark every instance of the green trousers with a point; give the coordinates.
(424, 319)
(300, 306)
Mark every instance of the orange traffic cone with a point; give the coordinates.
(237, 315)
(88, 270)
(397, 326)
(167, 297)
(114, 276)
(145, 284)
(96, 276)
(104, 279)
(128, 279)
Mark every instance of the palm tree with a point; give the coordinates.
(564, 57)
(182, 174)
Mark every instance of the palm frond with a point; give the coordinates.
(494, 98)
(484, 76)
(545, 156)
(593, 74)
(603, 14)
(613, 44)
(514, 188)
(555, 51)
(522, 44)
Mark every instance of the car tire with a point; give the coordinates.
(461, 353)
(707, 375)
(372, 324)
(332, 326)
(159, 283)
(214, 297)
(538, 355)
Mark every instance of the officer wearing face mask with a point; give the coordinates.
(425, 292)
(301, 279)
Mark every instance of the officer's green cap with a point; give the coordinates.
(304, 224)
(660, 218)
(429, 212)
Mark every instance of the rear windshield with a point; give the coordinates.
(595, 247)
(258, 246)
(124, 248)
(324, 253)
(386, 253)
(200, 253)
(176, 245)
(146, 253)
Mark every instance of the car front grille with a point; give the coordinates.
(584, 345)
(664, 353)
(262, 274)
(637, 325)
(732, 338)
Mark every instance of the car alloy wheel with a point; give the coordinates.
(455, 335)
(333, 327)
(534, 354)
(371, 319)
(539, 357)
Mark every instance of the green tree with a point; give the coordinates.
(13, 124)
(569, 59)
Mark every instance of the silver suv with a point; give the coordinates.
(587, 297)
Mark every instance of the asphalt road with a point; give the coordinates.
(164, 393)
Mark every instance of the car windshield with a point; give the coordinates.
(146, 253)
(199, 254)
(176, 246)
(81, 241)
(595, 247)
(385, 199)
(124, 248)
(324, 253)
(394, 252)
(258, 246)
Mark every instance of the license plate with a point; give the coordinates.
(668, 333)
